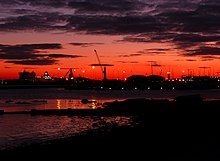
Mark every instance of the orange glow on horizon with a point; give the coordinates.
(128, 57)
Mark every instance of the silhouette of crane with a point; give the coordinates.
(103, 70)
(69, 73)
(98, 60)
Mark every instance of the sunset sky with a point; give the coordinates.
(135, 36)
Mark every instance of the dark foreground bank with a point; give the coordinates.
(190, 135)
(187, 129)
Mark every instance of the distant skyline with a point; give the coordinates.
(132, 36)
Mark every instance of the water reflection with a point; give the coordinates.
(93, 106)
(29, 104)
(58, 104)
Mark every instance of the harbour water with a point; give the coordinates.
(18, 130)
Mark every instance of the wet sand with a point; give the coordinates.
(157, 136)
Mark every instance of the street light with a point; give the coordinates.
(168, 75)
(58, 72)
(183, 73)
(83, 71)
(93, 67)
(123, 74)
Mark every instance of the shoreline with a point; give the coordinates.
(186, 131)
(186, 136)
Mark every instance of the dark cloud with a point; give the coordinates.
(174, 5)
(23, 11)
(59, 56)
(186, 60)
(47, 3)
(132, 17)
(186, 41)
(85, 44)
(153, 51)
(186, 24)
(114, 25)
(190, 60)
(157, 49)
(156, 65)
(195, 38)
(137, 39)
(204, 51)
(209, 58)
(157, 27)
(31, 53)
(50, 3)
(42, 46)
(25, 51)
(128, 62)
(34, 22)
(101, 65)
(130, 55)
(186, 16)
(33, 62)
(204, 67)
(11, 2)
(196, 20)
(106, 6)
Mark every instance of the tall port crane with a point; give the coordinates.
(103, 71)
(101, 65)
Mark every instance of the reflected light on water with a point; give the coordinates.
(29, 104)
(59, 104)
(22, 130)
(93, 106)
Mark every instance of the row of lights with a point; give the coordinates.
(137, 88)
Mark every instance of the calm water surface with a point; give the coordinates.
(23, 129)
(60, 93)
